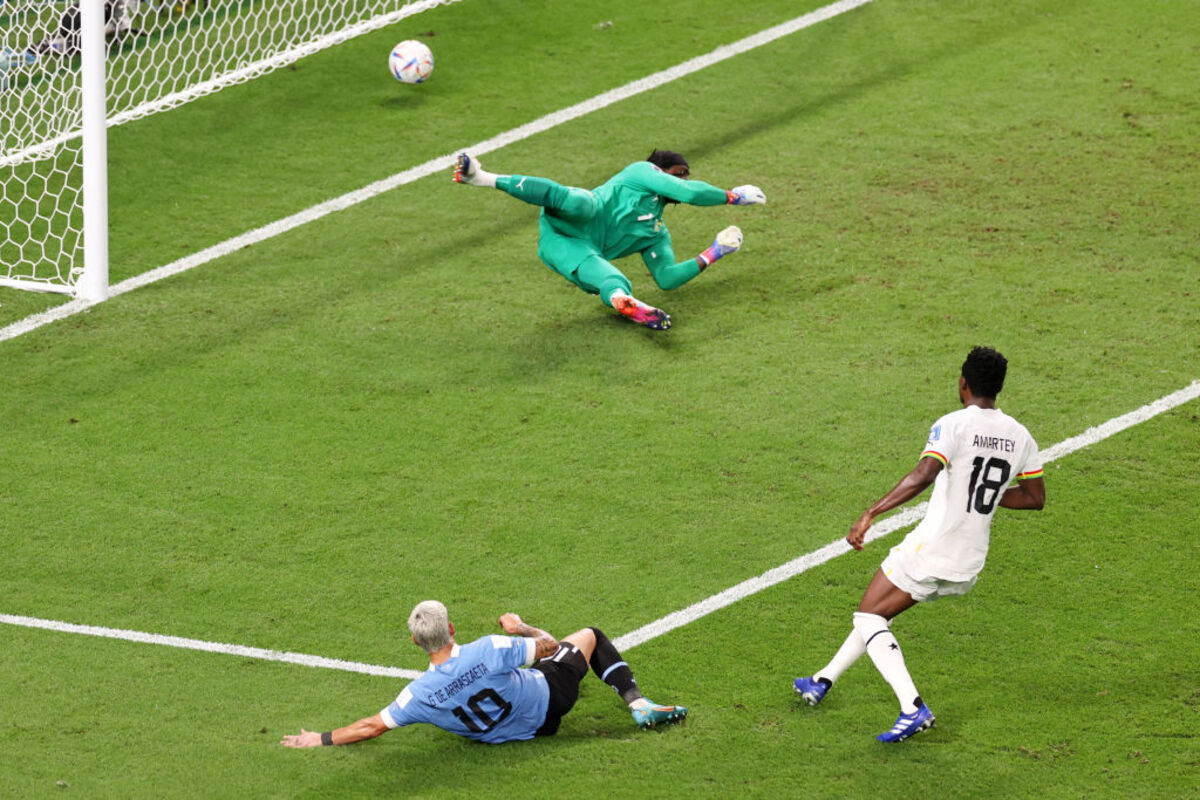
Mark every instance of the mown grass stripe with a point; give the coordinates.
(436, 165)
(661, 626)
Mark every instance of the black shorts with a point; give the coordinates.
(564, 670)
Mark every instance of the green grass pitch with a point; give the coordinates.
(288, 447)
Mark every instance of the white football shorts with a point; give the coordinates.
(898, 568)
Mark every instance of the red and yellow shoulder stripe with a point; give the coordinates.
(1033, 473)
(934, 454)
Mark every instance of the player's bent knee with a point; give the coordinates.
(670, 282)
(585, 640)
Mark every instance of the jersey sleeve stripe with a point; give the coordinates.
(1033, 473)
(388, 719)
(934, 454)
(530, 651)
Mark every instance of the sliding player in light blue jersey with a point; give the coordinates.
(971, 457)
(481, 691)
(582, 231)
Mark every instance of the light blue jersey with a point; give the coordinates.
(480, 692)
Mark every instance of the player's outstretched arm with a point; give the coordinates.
(1027, 495)
(514, 625)
(910, 486)
(648, 178)
(693, 192)
(366, 728)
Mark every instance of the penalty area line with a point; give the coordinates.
(661, 626)
(436, 165)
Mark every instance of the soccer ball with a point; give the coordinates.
(411, 61)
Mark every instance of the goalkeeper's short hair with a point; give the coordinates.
(665, 159)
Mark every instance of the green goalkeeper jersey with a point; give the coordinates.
(630, 204)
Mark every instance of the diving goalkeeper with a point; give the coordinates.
(581, 231)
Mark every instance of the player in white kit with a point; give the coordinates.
(972, 458)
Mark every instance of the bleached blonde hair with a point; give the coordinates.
(430, 625)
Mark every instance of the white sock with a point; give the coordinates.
(480, 177)
(851, 650)
(483, 178)
(641, 702)
(885, 652)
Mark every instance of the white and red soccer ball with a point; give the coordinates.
(411, 61)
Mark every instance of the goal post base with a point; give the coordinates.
(38, 286)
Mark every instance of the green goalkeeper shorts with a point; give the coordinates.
(564, 254)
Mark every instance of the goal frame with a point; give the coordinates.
(89, 272)
(92, 283)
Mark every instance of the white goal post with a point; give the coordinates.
(71, 69)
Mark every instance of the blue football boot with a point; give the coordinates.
(812, 690)
(908, 725)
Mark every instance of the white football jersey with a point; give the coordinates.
(984, 451)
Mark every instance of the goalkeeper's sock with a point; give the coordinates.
(482, 178)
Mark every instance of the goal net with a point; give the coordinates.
(158, 55)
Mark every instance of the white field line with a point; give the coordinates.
(900, 520)
(671, 621)
(211, 647)
(439, 164)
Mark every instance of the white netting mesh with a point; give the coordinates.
(160, 55)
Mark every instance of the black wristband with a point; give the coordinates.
(327, 738)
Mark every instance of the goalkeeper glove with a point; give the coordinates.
(747, 195)
(727, 241)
